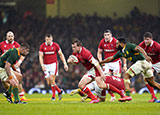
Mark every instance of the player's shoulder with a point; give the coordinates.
(55, 43)
(156, 43)
(142, 44)
(85, 52)
(3, 42)
(102, 41)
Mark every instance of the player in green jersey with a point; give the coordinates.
(7, 60)
(142, 63)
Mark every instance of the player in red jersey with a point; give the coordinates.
(84, 56)
(4, 46)
(152, 49)
(114, 84)
(48, 60)
(108, 45)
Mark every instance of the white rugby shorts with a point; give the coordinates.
(51, 69)
(114, 66)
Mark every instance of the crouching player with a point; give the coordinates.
(7, 60)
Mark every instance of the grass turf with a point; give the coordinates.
(39, 104)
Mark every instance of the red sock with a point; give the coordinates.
(57, 88)
(89, 93)
(151, 90)
(53, 87)
(110, 92)
(81, 93)
(114, 89)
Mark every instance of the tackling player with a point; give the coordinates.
(152, 49)
(141, 60)
(4, 46)
(48, 60)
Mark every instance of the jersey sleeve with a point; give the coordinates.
(88, 56)
(57, 47)
(141, 44)
(118, 55)
(41, 48)
(100, 45)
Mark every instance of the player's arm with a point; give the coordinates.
(19, 61)
(109, 59)
(99, 54)
(97, 65)
(124, 64)
(12, 79)
(63, 59)
(41, 55)
(138, 48)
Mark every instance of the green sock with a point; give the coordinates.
(10, 89)
(127, 93)
(15, 93)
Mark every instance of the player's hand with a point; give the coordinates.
(43, 68)
(148, 58)
(66, 67)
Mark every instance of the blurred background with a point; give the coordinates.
(30, 20)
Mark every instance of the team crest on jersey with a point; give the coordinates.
(104, 45)
(45, 48)
(51, 48)
(4, 45)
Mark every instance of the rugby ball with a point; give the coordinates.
(74, 58)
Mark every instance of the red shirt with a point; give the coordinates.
(115, 81)
(109, 48)
(5, 45)
(153, 51)
(49, 52)
(84, 57)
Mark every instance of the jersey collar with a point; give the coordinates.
(18, 51)
(80, 50)
(8, 42)
(48, 45)
(110, 40)
(123, 48)
(151, 43)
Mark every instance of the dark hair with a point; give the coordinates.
(148, 34)
(25, 45)
(122, 40)
(108, 31)
(48, 35)
(76, 40)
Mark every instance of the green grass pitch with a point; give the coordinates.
(39, 104)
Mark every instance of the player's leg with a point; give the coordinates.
(151, 90)
(82, 85)
(20, 87)
(107, 72)
(101, 83)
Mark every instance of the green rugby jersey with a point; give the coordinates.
(129, 53)
(11, 56)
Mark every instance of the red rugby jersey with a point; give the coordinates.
(5, 45)
(153, 51)
(109, 48)
(49, 52)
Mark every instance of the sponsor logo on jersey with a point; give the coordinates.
(49, 52)
(109, 50)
